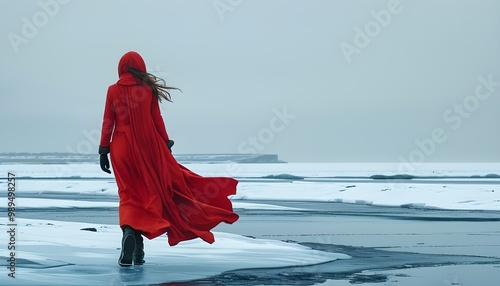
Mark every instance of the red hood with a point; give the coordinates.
(130, 60)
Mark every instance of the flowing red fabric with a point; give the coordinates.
(157, 194)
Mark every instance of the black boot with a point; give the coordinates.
(139, 249)
(128, 247)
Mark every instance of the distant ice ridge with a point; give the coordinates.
(67, 158)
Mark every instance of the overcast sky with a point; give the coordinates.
(309, 80)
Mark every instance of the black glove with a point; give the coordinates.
(104, 163)
(170, 143)
(103, 160)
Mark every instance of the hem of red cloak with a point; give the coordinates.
(172, 242)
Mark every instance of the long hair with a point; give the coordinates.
(158, 86)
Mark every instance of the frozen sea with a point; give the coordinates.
(301, 224)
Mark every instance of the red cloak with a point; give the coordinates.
(157, 194)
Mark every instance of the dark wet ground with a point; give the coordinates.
(362, 259)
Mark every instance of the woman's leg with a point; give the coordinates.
(128, 246)
(139, 248)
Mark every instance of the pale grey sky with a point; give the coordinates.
(309, 80)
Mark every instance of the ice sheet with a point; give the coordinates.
(27, 203)
(60, 253)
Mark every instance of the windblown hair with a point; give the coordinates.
(160, 89)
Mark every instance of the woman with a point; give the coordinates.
(157, 194)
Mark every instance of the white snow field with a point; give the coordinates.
(447, 186)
